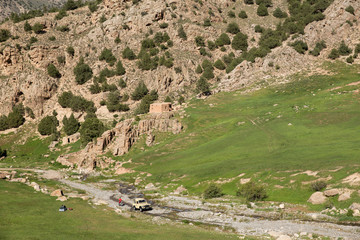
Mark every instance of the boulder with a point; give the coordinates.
(35, 186)
(180, 189)
(345, 196)
(355, 206)
(4, 174)
(317, 198)
(62, 199)
(282, 206)
(331, 192)
(57, 193)
(284, 237)
(150, 186)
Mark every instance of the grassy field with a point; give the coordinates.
(268, 135)
(25, 214)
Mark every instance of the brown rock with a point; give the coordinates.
(355, 206)
(317, 198)
(180, 189)
(331, 192)
(57, 193)
(62, 199)
(344, 196)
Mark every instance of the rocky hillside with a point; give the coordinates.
(107, 52)
(17, 6)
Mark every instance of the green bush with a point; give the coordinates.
(267, 3)
(128, 54)
(252, 192)
(38, 28)
(47, 125)
(318, 185)
(249, 1)
(140, 91)
(344, 50)
(27, 27)
(64, 28)
(334, 54)
(207, 22)
(219, 65)
(93, 6)
(61, 14)
(278, 13)
(208, 74)
(350, 9)
(76, 103)
(30, 112)
(71, 125)
(200, 42)
(113, 103)
(52, 38)
(182, 33)
(95, 88)
(203, 86)
(212, 191)
(300, 46)
(120, 70)
(15, 119)
(53, 72)
(318, 48)
(147, 63)
(71, 5)
(61, 59)
(163, 25)
(243, 14)
(231, 14)
(207, 64)
(102, 18)
(211, 45)
(70, 50)
(240, 42)
(107, 55)
(262, 10)
(82, 72)
(144, 105)
(168, 99)
(33, 40)
(90, 129)
(258, 29)
(223, 40)
(233, 28)
(3, 123)
(122, 83)
(350, 59)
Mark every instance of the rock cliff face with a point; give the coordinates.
(338, 25)
(119, 141)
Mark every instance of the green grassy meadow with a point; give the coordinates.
(268, 135)
(26, 214)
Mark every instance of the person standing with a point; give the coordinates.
(120, 200)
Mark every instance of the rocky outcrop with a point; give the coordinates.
(119, 140)
(317, 198)
(57, 193)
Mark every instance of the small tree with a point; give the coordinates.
(278, 13)
(120, 70)
(262, 10)
(207, 22)
(243, 14)
(47, 125)
(107, 55)
(4, 35)
(27, 27)
(82, 72)
(140, 91)
(300, 46)
(53, 72)
(240, 42)
(199, 70)
(233, 28)
(182, 33)
(71, 125)
(203, 86)
(122, 83)
(212, 191)
(318, 185)
(90, 129)
(223, 40)
(219, 65)
(200, 42)
(70, 50)
(38, 28)
(252, 192)
(128, 54)
(344, 50)
(334, 54)
(350, 9)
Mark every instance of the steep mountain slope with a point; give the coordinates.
(19, 6)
